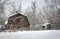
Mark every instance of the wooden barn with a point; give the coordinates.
(17, 22)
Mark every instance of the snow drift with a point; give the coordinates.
(47, 34)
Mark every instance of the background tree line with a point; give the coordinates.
(38, 13)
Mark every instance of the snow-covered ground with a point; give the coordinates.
(47, 34)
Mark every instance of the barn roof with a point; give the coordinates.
(16, 15)
(46, 24)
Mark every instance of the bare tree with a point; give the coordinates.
(2, 15)
(51, 12)
(31, 14)
(33, 7)
(19, 5)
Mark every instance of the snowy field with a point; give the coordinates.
(47, 34)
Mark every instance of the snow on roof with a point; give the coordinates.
(12, 14)
(46, 24)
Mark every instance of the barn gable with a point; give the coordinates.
(17, 21)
